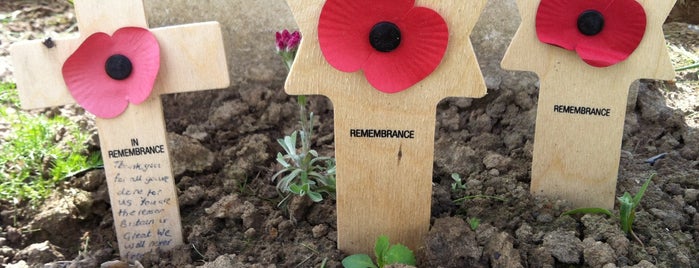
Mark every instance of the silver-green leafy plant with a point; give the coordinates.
(304, 172)
(627, 209)
(386, 254)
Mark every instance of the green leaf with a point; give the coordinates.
(625, 212)
(316, 197)
(399, 254)
(588, 211)
(296, 189)
(639, 195)
(358, 261)
(380, 249)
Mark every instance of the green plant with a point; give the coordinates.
(304, 172)
(38, 152)
(386, 254)
(474, 222)
(458, 183)
(627, 209)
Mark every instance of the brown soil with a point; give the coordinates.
(229, 208)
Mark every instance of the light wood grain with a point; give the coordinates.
(576, 157)
(141, 188)
(384, 185)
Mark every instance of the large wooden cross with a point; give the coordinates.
(384, 185)
(141, 187)
(576, 156)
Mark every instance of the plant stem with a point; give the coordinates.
(692, 66)
(306, 121)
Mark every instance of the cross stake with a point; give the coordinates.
(141, 188)
(384, 185)
(576, 156)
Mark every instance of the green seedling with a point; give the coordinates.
(458, 183)
(386, 254)
(627, 209)
(474, 223)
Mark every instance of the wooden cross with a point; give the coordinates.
(384, 185)
(576, 157)
(141, 187)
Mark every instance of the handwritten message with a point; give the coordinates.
(144, 202)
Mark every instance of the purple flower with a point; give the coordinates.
(288, 42)
(287, 45)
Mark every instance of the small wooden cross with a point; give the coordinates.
(576, 156)
(141, 186)
(384, 185)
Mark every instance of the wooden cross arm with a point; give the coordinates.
(650, 60)
(457, 76)
(185, 65)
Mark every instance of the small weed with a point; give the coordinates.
(474, 223)
(386, 254)
(458, 183)
(627, 209)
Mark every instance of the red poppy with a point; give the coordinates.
(602, 32)
(395, 43)
(106, 73)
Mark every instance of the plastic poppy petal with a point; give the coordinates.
(625, 26)
(423, 45)
(85, 77)
(93, 89)
(141, 47)
(344, 26)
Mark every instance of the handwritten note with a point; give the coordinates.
(143, 198)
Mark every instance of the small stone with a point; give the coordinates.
(544, 217)
(495, 160)
(524, 233)
(671, 218)
(115, 264)
(644, 264)
(7, 251)
(500, 250)
(39, 253)
(250, 233)
(690, 195)
(223, 261)
(188, 154)
(319, 230)
(564, 246)
(597, 253)
(192, 195)
(451, 243)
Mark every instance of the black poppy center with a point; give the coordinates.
(590, 22)
(118, 67)
(385, 36)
